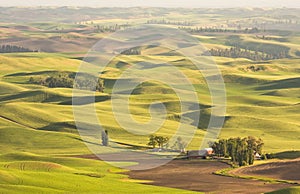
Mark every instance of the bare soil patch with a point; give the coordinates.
(195, 175)
(198, 176)
(285, 170)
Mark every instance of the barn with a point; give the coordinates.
(199, 153)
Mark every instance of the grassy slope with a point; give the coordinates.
(292, 190)
(264, 104)
(28, 160)
(31, 173)
(261, 108)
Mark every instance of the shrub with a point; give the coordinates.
(263, 157)
(269, 156)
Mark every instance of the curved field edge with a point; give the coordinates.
(291, 190)
(31, 173)
(233, 172)
(227, 172)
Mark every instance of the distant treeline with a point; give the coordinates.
(219, 30)
(236, 52)
(163, 21)
(14, 49)
(67, 80)
(262, 51)
(110, 28)
(284, 21)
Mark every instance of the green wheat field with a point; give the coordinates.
(38, 135)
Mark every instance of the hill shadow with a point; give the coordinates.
(281, 84)
(85, 100)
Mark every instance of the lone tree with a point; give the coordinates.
(179, 145)
(104, 137)
(152, 142)
(161, 141)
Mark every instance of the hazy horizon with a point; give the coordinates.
(156, 3)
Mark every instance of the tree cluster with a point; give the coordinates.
(236, 52)
(14, 49)
(159, 141)
(67, 80)
(132, 51)
(240, 150)
(255, 69)
(89, 82)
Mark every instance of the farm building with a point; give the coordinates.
(199, 153)
(257, 156)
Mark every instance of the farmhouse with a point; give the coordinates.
(199, 153)
(257, 156)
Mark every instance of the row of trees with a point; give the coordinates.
(219, 30)
(163, 142)
(163, 21)
(14, 49)
(67, 80)
(109, 28)
(236, 52)
(284, 21)
(269, 50)
(240, 150)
